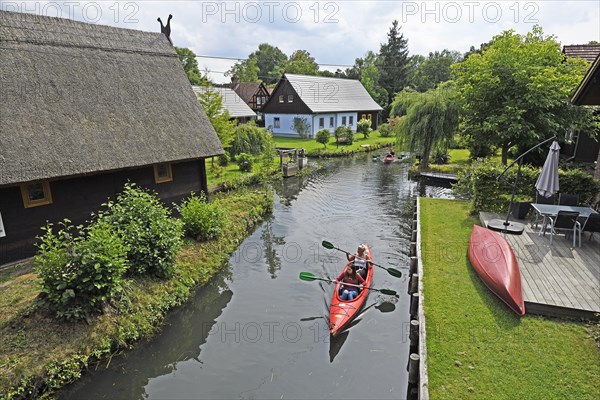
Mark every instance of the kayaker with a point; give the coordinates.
(391, 152)
(360, 260)
(350, 276)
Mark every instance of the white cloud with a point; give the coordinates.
(332, 31)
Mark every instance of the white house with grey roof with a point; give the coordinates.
(302, 104)
(232, 102)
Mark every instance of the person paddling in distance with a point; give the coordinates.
(360, 260)
(350, 276)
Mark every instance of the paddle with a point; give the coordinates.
(307, 276)
(391, 271)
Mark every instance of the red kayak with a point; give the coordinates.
(388, 159)
(493, 259)
(342, 312)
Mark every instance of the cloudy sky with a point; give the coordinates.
(334, 32)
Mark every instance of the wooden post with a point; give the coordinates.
(413, 265)
(414, 305)
(413, 237)
(413, 249)
(414, 225)
(413, 286)
(414, 332)
(413, 368)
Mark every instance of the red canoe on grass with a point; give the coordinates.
(494, 261)
(342, 312)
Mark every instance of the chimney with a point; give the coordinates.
(234, 82)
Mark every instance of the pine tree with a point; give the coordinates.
(393, 62)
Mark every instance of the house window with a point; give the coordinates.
(276, 122)
(290, 98)
(259, 100)
(351, 118)
(321, 122)
(163, 173)
(281, 98)
(344, 121)
(331, 122)
(366, 116)
(36, 194)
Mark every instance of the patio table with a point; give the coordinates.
(550, 210)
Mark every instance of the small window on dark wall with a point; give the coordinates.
(290, 98)
(281, 98)
(36, 194)
(163, 173)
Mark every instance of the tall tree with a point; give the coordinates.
(393, 62)
(301, 62)
(211, 102)
(368, 74)
(429, 72)
(517, 91)
(245, 70)
(188, 61)
(429, 120)
(270, 62)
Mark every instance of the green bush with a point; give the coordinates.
(201, 220)
(479, 183)
(80, 272)
(385, 130)
(343, 135)
(323, 137)
(244, 161)
(146, 226)
(249, 138)
(224, 159)
(364, 126)
(439, 156)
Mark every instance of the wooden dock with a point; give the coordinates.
(558, 280)
(439, 176)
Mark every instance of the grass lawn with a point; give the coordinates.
(477, 348)
(311, 145)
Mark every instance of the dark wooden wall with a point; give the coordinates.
(273, 106)
(76, 198)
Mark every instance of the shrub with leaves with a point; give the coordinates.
(385, 130)
(224, 159)
(249, 138)
(343, 135)
(80, 272)
(364, 126)
(146, 226)
(323, 137)
(244, 161)
(201, 220)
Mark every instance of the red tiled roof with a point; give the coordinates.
(588, 52)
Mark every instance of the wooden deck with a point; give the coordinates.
(558, 280)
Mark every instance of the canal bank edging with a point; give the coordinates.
(417, 362)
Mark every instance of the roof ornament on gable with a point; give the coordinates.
(166, 29)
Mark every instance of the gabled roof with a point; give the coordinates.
(323, 94)
(231, 102)
(247, 89)
(79, 98)
(588, 91)
(588, 52)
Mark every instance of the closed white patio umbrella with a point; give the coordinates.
(547, 184)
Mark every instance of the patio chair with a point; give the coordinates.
(592, 225)
(566, 199)
(565, 221)
(539, 199)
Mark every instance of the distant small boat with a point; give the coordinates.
(389, 159)
(494, 261)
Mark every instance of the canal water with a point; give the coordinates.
(258, 332)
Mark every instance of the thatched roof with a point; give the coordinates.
(231, 102)
(78, 98)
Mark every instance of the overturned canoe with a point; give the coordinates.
(494, 261)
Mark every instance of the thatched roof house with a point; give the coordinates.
(84, 108)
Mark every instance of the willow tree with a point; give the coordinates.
(428, 121)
